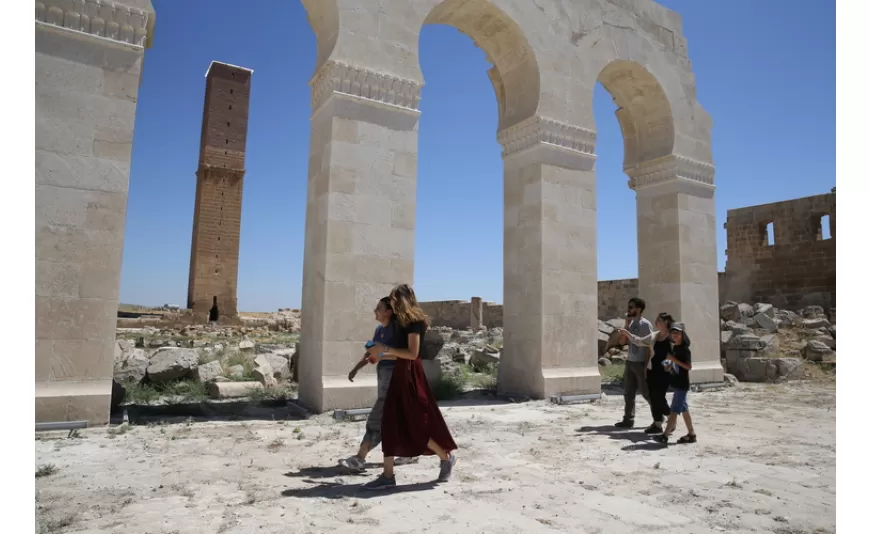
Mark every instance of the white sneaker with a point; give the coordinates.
(353, 463)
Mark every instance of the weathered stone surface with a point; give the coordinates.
(280, 366)
(604, 362)
(246, 345)
(123, 348)
(229, 390)
(769, 345)
(746, 312)
(756, 370)
(766, 309)
(788, 318)
(482, 358)
(813, 312)
(172, 363)
(765, 322)
(815, 351)
(208, 371)
(790, 368)
(132, 368)
(737, 328)
(236, 371)
(827, 340)
(431, 347)
(730, 311)
(814, 323)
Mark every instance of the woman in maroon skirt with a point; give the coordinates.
(412, 424)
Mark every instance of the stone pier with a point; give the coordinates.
(88, 64)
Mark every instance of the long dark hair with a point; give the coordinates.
(405, 306)
(667, 319)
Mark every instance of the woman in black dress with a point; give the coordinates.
(657, 376)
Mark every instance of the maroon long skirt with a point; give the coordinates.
(411, 415)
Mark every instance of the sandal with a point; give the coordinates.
(688, 438)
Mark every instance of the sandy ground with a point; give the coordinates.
(765, 462)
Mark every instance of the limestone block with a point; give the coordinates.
(229, 390)
(132, 368)
(765, 322)
(171, 363)
(207, 372)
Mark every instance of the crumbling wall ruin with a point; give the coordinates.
(780, 253)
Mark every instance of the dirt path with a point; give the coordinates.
(765, 462)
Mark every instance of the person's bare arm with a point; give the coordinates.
(645, 341)
(411, 353)
(359, 365)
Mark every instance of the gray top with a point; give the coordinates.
(641, 328)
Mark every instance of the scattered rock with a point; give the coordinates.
(481, 358)
(236, 371)
(816, 351)
(208, 371)
(790, 368)
(228, 390)
(765, 322)
(813, 312)
(730, 311)
(246, 345)
(603, 362)
(766, 309)
(730, 379)
(827, 340)
(171, 363)
(819, 322)
(280, 366)
(737, 328)
(431, 347)
(132, 368)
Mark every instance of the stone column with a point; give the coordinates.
(550, 268)
(476, 319)
(676, 232)
(88, 63)
(359, 223)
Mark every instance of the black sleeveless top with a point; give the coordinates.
(661, 349)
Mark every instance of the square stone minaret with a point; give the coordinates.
(214, 250)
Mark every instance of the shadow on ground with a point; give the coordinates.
(612, 432)
(334, 490)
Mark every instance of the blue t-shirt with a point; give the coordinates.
(387, 336)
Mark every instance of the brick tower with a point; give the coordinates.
(217, 215)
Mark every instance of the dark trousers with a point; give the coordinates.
(633, 380)
(657, 385)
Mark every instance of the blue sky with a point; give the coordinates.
(765, 71)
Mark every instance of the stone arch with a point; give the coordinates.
(323, 19)
(644, 114)
(515, 75)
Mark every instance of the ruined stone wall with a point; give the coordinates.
(795, 269)
(452, 313)
(214, 256)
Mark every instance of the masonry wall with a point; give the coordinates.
(214, 258)
(797, 268)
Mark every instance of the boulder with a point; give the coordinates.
(482, 358)
(619, 358)
(725, 338)
(737, 328)
(208, 371)
(815, 323)
(827, 340)
(263, 372)
(172, 363)
(132, 368)
(280, 366)
(462, 336)
(236, 371)
(815, 351)
(606, 328)
(730, 379)
(813, 312)
(765, 322)
(766, 309)
(228, 390)
(603, 340)
(746, 312)
(833, 331)
(495, 336)
(756, 370)
(123, 348)
(730, 311)
(788, 318)
(603, 362)
(769, 345)
(246, 345)
(431, 347)
(617, 322)
(790, 368)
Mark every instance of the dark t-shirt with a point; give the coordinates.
(661, 349)
(681, 379)
(387, 336)
(414, 328)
